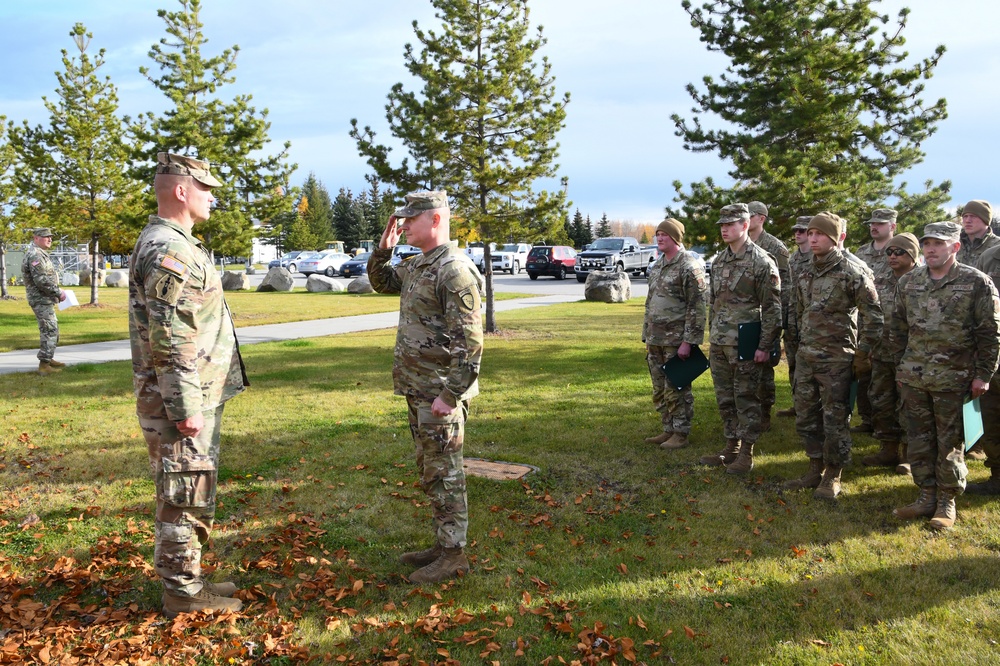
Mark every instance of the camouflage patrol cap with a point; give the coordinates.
(737, 212)
(757, 208)
(949, 232)
(182, 165)
(827, 223)
(42, 232)
(802, 222)
(418, 202)
(672, 228)
(882, 215)
(906, 242)
(981, 209)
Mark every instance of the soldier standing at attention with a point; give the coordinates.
(989, 263)
(41, 285)
(977, 237)
(881, 227)
(745, 288)
(674, 322)
(778, 252)
(829, 298)
(439, 346)
(903, 252)
(947, 325)
(186, 364)
(797, 262)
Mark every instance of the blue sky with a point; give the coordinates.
(315, 64)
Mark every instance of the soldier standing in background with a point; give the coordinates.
(989, 402)
(41, 286)
(778, 252)
(745, 288)
(797, 262)
(439, 346)
(674, 322)
(946, 325)
(829, 298)
(903, 253)
(186, 364)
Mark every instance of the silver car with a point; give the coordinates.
(327, 262)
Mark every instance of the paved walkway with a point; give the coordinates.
(26, 360)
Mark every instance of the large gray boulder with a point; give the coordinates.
(251, 270)
(277, 279)
(360, 285)
(69, 279)
(85, 277)
(607, 287)
(318, 283)
(235, 281)
(117, 279)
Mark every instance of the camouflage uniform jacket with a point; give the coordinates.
(797, 262)
(745, 288)
(185, 357)
(41, 282)
(989, 263)
(675, 302)
(828, 298)
(780, 254)
(947, 329)
(973, 249)
(886, 289)
(439, 341)
(874, 258)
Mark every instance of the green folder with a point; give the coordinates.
(682, 372)
(748, 340)
(972, 422)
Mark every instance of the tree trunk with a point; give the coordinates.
(3, 271)
(491, 321)
(94, 271)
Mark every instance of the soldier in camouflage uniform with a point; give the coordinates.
(989, 402)
(829, 298)
(439, 346)
(674, 322)
(947, 324)
(903, 253)
(778, 252)
(186, 364)
(797, 263)
(881, 227)
(41, 285)
(745, 288)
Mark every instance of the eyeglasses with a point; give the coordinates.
(895, 252)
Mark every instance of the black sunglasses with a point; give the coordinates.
(895, 252)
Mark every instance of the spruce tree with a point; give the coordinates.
(817, 111)
(377, 205)
(349, 219)
(319, 215)
(603, 227)
(587, 237)
(483, 125)
(230, 135)
(75, 170)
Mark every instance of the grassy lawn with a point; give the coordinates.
(109, 320)
(615, 551)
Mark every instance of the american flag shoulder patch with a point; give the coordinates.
(173, 265)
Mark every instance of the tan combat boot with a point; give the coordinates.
(203, 600)
(888, 456)
(904, 465)
(56, 364)
(976, 452)
(421, 558)
(724, 457)
(223, 589)
(659, 439)
(451, 563)
(743, 462)
(810, 479)
(923, 507)
(46, 368)
(829, 487)
(945, 515)
(677, 441)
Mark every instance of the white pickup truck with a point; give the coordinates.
(511, 257)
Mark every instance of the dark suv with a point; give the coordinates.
(555, 260)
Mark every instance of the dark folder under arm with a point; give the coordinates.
(748, 340)
(682, 372)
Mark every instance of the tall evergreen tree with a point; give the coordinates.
(819, 112)
(12, 229)
(482, 127)
(349, 219)
(75, 169)
(587, 237)
(232, 136)
(319, 215)
(576, 229)
(377, 204)
(604, 227)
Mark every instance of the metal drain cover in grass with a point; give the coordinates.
(498, 471)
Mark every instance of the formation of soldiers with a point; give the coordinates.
(908, 327)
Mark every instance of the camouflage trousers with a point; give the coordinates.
(185, 471)
(48, 330)
(989, 402)
(438, 441)
(884, 398)
(765, 390)
(736, 384)
(822, 394)
(935, 437)
(865, 408)
(791, 349)
(676, 406)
